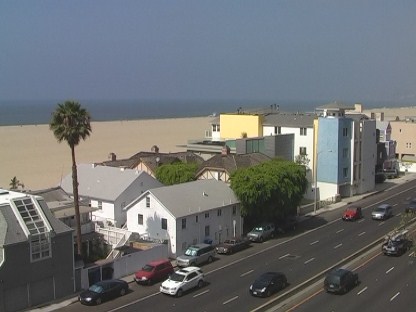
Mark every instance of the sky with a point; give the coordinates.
(355, 50)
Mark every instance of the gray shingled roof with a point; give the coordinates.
(101, 182)
(10, 230)
(289, 120)
(336, 105)
(382, 125)
(232, 162)
(194, 197)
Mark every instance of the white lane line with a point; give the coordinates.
(247, 273)
(284, 256)
(361, 234)
(337, 246)
(339, 231)
(361, 220)
(381, 223)
(201, 293)
(389, 270)
(394, 297)
(315, 242)
(362, 290)
(230, 300)
(310, 260)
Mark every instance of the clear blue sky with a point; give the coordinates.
(348, 50)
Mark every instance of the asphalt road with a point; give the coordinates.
(321, 242)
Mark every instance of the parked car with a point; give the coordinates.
(267, 284)
(340, 281)
(411, 208)
(261, 233)
(232, 245)
(182, 281)
(396, 244)
(382, 212)
(196, 255)
(103, 291)
(286, 224)
(157, 270)
(352, 213)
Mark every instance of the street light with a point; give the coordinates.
(315, 173)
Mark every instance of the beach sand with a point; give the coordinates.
(34, 156)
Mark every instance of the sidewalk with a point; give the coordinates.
(380, 187)
(388, 184)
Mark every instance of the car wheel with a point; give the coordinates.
(149, 282)
(179, 293)
(98, 301)
(200, 284)
(261, 239)
(210, 259)
(122, 292)
(268, 293)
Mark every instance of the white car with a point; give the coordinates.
(183, 280)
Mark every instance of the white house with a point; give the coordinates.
(186, 213)
(109, 189)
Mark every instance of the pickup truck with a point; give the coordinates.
(232, 245)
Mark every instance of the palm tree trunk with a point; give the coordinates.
(76, 201)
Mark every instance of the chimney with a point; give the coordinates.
(382, 116)
(225, 150)
(372, 116)
(112, 156)
(358, 107)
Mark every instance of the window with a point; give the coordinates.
(234, 210)
(345, 172)
(147, 201)
(40, 242)
(207, 230)
(302, 150)
(206, 215)
(344, 132)
(183, 223)
(345, 153)
(277, 130)
(303, 131)
(140, 219)
(196, 219)
(100, 204)
(219, 212)
(408, 145)
(164, 224)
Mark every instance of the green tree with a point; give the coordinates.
(71, 123)
(175, 173)
(270, 190)
(15, 184)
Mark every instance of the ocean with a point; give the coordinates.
(30, 112)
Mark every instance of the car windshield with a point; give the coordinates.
(227, 241)
(380, 209)
(96, 288)
(191, 251)
(333, 279)
(258, 229)
(148, 268)
(177, 277)
(262, 281)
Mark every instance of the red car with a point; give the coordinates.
(352, 213)
(157, 270)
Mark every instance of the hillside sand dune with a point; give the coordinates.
(34, 156)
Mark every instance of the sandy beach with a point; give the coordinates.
(34, 156)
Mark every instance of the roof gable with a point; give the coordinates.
(194, 197)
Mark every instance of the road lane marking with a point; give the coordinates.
(394, 297)
(339, 231)
(389, 270)
(361, 234)
(337, 246)
(284, 256)
(230, 300)
(362, 290)
(381, 223)
(201, 293)
(361, 220)
(310, 260)
(246, 273)
(315, 242)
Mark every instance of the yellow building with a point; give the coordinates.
(235, 126)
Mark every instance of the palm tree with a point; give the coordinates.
(71, 123)
(15, 184)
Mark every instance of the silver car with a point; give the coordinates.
(382, 212)
(196, 255)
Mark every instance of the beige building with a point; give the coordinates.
(404, 133)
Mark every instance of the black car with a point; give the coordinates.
(103, 291)
(286, 224)
(396, 244)
(267, 284)
(340, 281)
(411, 208)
